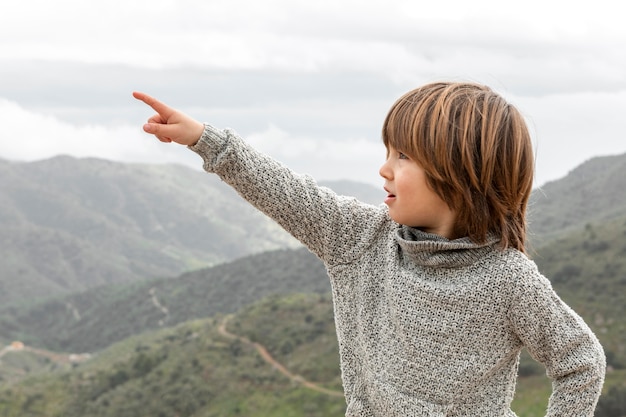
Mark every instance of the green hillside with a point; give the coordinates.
(194, 369)
(588, 270)
(214, 367)
(94, 319)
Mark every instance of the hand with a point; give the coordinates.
(170, 125)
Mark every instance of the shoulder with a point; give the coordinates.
(514, 263)
(516, 272)
(530, 290)
(366, 230)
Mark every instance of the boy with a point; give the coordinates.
(434, 297)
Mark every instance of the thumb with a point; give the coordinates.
(162, 132)
(150, 128)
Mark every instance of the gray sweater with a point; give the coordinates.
(426, 326)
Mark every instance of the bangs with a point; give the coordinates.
(405, 126)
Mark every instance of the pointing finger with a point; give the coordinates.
(163, 109)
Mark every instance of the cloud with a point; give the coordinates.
(318, 74)
(33, 136)
(29, 136)
(571, 128)
(356, 159)
(408, 42)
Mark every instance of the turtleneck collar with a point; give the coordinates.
(432, 250)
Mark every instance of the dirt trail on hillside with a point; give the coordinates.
(159, 306)
(277, 365)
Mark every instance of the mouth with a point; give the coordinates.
(390, 196)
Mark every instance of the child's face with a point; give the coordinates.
(410, 200)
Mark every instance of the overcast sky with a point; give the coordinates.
(308, 82)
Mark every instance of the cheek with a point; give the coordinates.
(408, 182)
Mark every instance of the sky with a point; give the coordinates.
(308, 82)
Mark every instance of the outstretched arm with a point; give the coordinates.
(336, 228)
(170, 125)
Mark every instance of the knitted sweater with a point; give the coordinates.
(426, 326)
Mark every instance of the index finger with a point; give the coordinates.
(161, 108)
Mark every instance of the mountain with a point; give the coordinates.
(70, 224)
(95, 318)
(593, 192)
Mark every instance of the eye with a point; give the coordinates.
(402, 156)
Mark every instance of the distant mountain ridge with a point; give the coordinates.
(69, 224)
(72, 224)
(595, 191)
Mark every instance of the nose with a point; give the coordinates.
(385, 170)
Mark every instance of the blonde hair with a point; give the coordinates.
(477, 154)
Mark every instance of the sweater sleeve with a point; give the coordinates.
(559, 338)
(335, 228)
